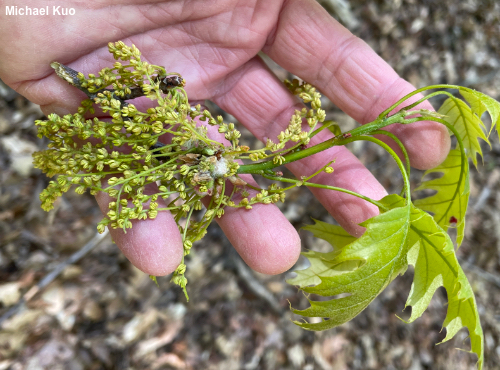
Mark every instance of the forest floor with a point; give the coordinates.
(101, 313)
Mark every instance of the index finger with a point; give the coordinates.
(308, 42)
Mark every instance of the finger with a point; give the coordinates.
(153, 246)
(273, 248)
(308, 42)
(263, 237)
(37, 41)
(173, 34)
(262, 103)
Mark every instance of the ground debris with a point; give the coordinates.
(101, 313)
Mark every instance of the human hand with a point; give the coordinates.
(215, 49)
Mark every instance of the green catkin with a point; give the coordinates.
(123, 156)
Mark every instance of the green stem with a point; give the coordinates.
(291, 157)
(401, 147)
(324, 126)
(427, 97)
(140, 174)
(258, 168)
(380, 122)
(322, 186)
(303, 181)
(402, 169)
(432, 87)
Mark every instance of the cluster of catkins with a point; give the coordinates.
(166, 146)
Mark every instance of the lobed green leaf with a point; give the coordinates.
(436, 265)
(480, 103)
(324, 264)
(381, 256)
(469, 126)
(362, 268)
(449, 204)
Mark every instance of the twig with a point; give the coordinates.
(488, 276)
(32, 238)
(166, 83)
(342, 9)
(255, 286)
(51, 276)
(71, 76)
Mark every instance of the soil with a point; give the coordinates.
(101, 313)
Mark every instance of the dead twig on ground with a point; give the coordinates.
(483, 274)
(51, 276)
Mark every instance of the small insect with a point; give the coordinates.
(218, 154)
(167, 83)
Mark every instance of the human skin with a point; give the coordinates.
(214, 46)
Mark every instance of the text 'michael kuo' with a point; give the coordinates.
(45, 10)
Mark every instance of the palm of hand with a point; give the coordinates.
(214, 47)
